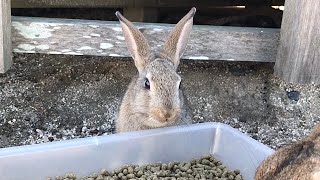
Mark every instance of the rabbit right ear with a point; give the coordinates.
(136, 43)
(177, 40)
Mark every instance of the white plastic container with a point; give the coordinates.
(88, 155)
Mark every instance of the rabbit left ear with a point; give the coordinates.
(178, 38)
(136, 43)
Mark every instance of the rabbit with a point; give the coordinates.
(299, 161)
(154, 97)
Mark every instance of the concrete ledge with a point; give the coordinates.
(104, 38)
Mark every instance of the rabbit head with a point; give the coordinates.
(154, 98)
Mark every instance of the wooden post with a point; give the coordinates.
(298, 58)
(5, 36)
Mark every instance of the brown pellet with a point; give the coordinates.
(206, 167)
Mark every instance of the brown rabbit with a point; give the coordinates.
(154, 97)
(299, 161)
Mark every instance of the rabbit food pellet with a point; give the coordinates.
(206, 167)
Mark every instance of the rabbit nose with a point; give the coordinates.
(165, 115)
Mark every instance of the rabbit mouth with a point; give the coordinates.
(158, 122)
(160, 119)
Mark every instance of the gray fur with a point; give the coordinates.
(164, 104)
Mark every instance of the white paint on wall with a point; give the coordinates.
(115, 55)
(93, 26)
(43, 47)
(157, 29)
(26, 47)
(120, 38)
(33, 30)
(73, 53)
(199, 57)
(66, 50)
(85, 48)
(117, 29)
(105, 45)
(95, 35)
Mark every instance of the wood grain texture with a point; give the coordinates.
(137, 3)
(298, 58)
(141, 14)
(5, 36)
(101, 38)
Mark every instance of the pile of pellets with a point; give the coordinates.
(203, 168)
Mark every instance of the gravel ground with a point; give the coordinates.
(47, 98)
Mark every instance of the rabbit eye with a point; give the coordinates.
(180, 84)
(146, 84)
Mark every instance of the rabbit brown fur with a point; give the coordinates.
(154, 98)
(299, 161)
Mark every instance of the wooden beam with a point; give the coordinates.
(136, 3)
(103, 38)
(211, 3)
(70, 3)
(298, 59)
(5, 36)
(141, 14)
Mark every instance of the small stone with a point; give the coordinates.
(140, 173)
(130, 170)
(70, 176)
(170, 165)
(130, 176)
(237, 171)
(293, 95)
(100, 177)
(120, 175)
(164, 166)
(125, 171)
(238, 177)
(94, 175)
(104, 172)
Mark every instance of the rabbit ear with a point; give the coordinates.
(136, 43)
(178, 38)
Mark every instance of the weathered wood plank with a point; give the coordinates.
(141, 14)
(101, 38)
(5, 36)
(136, 3)
(70, 3)
(298, 59)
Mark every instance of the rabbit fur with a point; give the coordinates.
(299, 161)
(154, 97)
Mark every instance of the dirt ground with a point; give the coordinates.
(56, 97)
